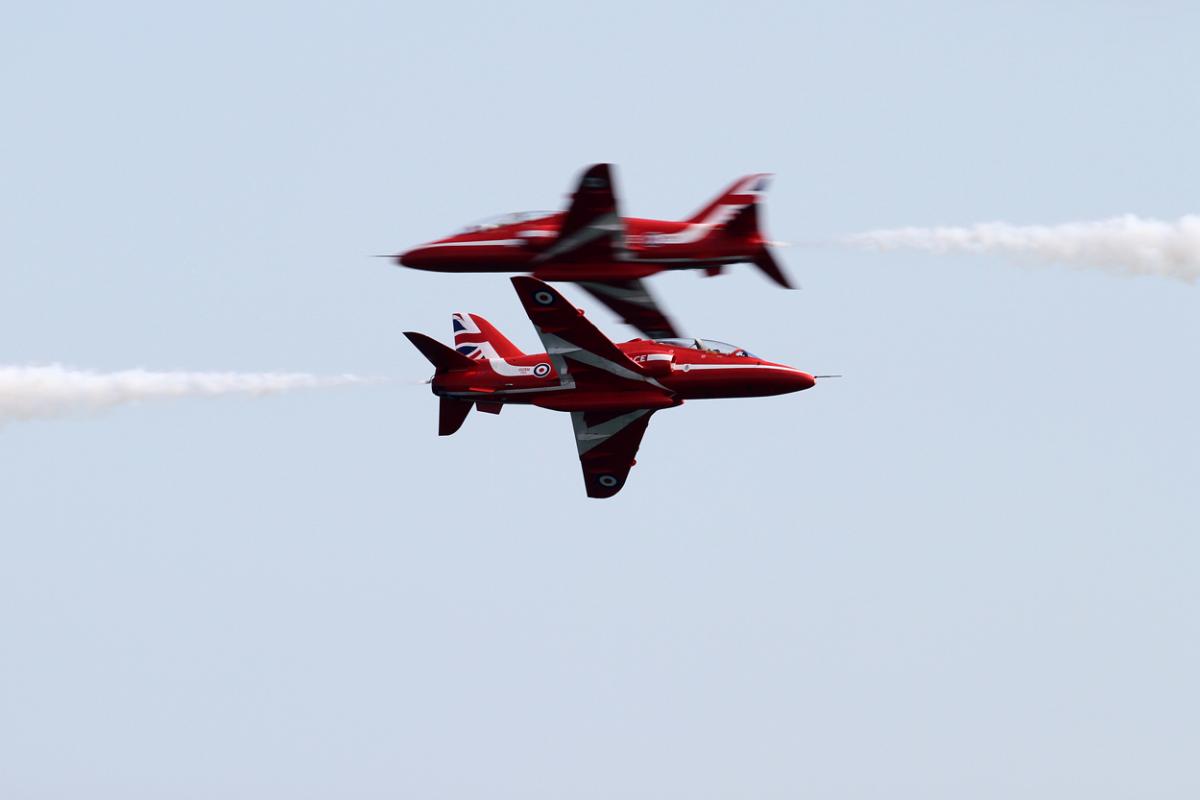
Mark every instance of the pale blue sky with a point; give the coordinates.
(968, 569)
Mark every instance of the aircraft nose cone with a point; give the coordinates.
(800, 381)
(783, 380)
(412, 258)
(780, 379)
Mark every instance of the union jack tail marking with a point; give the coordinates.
(478, 339)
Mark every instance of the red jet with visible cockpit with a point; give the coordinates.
(607, 254)
(610, 389)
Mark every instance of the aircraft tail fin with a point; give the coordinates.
(476, 338)
(735, 214)
(744, 192)
(443, 358)
(452, 414)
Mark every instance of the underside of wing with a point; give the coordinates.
(636, 306)
(608, 443)
(591, 229)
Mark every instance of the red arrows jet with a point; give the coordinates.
(610, 390)
(606, 254)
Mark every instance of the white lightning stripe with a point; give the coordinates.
(692, 367)
(480, 243)
(698, 230)
(724, 212)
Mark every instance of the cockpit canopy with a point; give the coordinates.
(708, 346)
(500, 220)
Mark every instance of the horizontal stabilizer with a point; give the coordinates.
(443, 358)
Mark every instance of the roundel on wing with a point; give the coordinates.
(607, 481)
(541, 370)
(543, 298)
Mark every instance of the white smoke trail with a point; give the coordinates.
(1127, 244)
(29, 392)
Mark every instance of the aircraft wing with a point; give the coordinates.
(637, 307)
(608, 439)
(570, 338)
(591, 229)
(607, 444)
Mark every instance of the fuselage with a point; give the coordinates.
(516, 242)
(677, 371)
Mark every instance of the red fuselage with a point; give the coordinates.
(650, 246)
(683, 372)
(610, 390)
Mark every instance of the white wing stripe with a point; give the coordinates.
(607, 224)
(587, 438)
(558, 347)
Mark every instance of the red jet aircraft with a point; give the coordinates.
(607, 254)
(610, 390)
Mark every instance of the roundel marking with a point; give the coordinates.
(541, 370)
(543, 298)
(607, 481)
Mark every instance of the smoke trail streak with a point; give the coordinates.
(29, 392)
(1127, 244)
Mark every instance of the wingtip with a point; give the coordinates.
(597, 177)
(520, 282)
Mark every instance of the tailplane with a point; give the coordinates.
(451, 412)
(443, 358)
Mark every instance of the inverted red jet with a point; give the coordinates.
(610, 390)
(606, 254)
